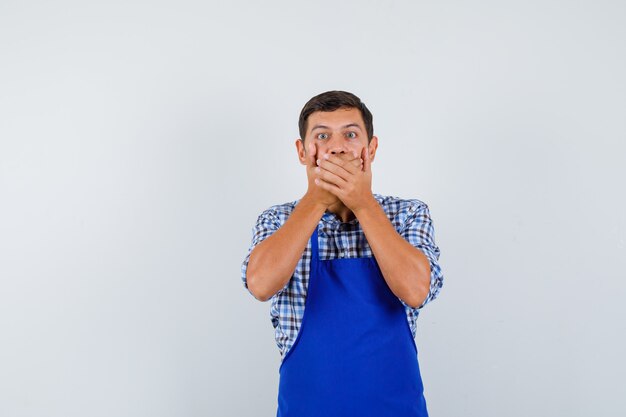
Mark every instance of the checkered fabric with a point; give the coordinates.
(411, 219)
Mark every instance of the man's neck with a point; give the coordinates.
(342, 211)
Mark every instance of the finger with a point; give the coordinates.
(367, 162)
(349, 163)
(341, 164)
(354, 154)
(354, 162)
(353, 158)
(330, 176)
(328, 186)
(357, 162)
(354, 166)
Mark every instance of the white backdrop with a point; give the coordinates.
(140, 140)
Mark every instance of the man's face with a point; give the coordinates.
(339, 132)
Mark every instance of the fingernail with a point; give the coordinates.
(326, 156)
(318, 162)
(317, 169)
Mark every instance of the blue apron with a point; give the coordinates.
(354, 355)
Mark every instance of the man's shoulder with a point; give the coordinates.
(280, 211)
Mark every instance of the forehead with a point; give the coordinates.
(335, 119)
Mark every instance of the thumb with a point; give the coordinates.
(367, 163)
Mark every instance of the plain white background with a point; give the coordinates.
(139, 141)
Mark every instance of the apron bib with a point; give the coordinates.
(354, 355)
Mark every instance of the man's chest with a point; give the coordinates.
(342, 241)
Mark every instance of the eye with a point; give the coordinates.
(351, 135)
(322, 136)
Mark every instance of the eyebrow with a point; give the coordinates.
(343, 127)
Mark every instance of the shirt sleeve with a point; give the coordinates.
(419, 232)
(266, 224)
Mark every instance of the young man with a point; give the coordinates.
(347, 272)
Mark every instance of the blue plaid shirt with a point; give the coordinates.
(411, 218)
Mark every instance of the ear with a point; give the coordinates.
(301, 151)
(372, 148)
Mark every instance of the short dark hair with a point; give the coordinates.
(331, 101)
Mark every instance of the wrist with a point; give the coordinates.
(368, 205)
(313, 203)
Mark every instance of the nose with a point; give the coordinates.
(336, 146)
